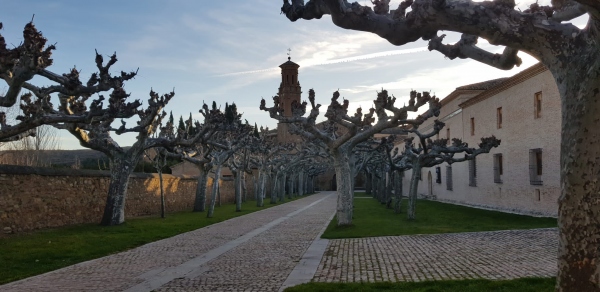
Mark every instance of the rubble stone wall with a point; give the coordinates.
(36, 198)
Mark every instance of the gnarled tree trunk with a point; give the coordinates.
(237, 181)
(412, 193)
(344, 187)
(215, 190)
(200, 199)
(244, 189)
(301, 191)
(397, 191)
(260, 193)
(274, 183)
(579, 203)
(121, 166)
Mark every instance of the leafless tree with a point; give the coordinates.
(122, 160)
(264, 151)
(430, 153)
(545, 32)
(232, 136)
(30, 151)
(356, 129)
(197, 153)
(159, 161)
(19, 65)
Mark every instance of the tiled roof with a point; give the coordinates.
(509, 82)
(289, 63)
(482, 85)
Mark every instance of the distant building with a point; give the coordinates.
(521, 175)
(289, 92)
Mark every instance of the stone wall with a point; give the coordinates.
(36, 198)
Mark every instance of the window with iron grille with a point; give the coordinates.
(449, 178)
(498, 168)
(472, 173)
(438, 175)
(535, 166)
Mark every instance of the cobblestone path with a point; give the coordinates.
(278, 247)
(488, 255)
(255, 252)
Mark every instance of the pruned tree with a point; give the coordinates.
(356, 129)
(430, 153)
(285, 162)
(313, 171)
(122, 160)
(263, 151)
(159, 161)
(544, 32)
(238, 164)
(19, 65)
(197, 153)
(232, 135)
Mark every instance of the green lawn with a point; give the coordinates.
(26, 255)
(517, 285)
(373, 219)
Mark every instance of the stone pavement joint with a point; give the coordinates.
(307, 267)
(163, 277)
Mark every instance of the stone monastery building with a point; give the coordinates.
(523, 174)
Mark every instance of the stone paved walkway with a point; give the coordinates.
(255, 252)
(489, 255)
(276, 247)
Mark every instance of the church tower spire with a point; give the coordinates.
(289, 91)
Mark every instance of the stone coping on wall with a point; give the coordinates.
(46, 171)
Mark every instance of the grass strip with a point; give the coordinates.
(516, 285)
(371, 218)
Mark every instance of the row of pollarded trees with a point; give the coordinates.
(389, 163)
(349, 142)
(96, 109)
(547, 34)
(66, 105)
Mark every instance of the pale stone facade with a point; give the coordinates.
(529, 128)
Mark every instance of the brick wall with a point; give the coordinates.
(35, 198)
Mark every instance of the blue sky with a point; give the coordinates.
(229, 51)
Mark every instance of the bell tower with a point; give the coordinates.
(289, 91)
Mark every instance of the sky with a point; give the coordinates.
(229, 51)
